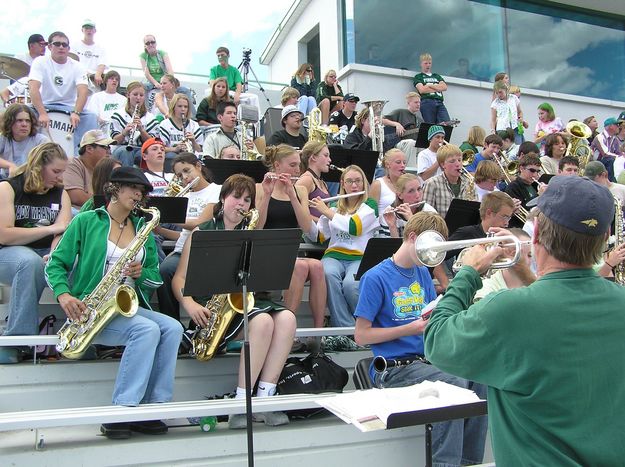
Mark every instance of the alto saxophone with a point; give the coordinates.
(619, 233)
(223, 308)
(111, 296)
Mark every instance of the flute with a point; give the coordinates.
(346, 195)
(276, 177)
(413, 205)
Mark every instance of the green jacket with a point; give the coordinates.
(552, 357)
(82, 252)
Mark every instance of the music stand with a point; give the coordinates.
(546, 178)
(221, 169)
(462, 212)
(249, 261)
(342, 157)
(376, 251)
(422, 137)
(173, 210)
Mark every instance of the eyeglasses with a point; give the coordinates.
(351, 181)
(505, 218)
(103, 146)
(60, 44)
(534, 171)
(150, 42)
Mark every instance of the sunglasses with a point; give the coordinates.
(60, 44)
(534, 171)
(309, 70)
(150, 43)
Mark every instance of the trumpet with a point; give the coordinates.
(334, 167)
(133, 133)
(431, 248)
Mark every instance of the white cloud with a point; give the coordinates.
(189, 31)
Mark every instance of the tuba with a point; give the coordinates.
(223, 308)
(111, 296)
(578, 133)
(377, 128)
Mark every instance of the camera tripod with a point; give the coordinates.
(245, 68)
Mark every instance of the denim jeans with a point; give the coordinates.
(88, 121)
(342, 290)
(306, 103)
(148, 365)
(22, 268)
(455, 442)
(434, 111)
(126, 157)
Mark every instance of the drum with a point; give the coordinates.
(61, 131)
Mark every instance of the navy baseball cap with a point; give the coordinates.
(578, 204)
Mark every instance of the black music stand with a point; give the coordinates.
(342, 157)
(221, 169)
(376, 251)
(422, 137)
(250, 261)
(428, 416)
(462, 212)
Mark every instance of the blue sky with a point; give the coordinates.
(189, 31)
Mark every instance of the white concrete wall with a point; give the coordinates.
(468, 100)
(290, 55)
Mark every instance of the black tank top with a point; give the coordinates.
(34, 208)
(280, 215)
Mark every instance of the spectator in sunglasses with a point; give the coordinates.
(57, 82)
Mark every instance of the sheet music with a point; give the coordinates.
(369, 410)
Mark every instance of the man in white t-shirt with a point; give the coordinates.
(92, 56)
(105, 103)
(36, 48)
(57, 82)
(427, 165)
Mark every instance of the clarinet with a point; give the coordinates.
(381, 364)
(132, 135)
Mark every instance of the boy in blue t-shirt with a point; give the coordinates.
(392, 297)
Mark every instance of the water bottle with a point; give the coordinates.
(205, 423)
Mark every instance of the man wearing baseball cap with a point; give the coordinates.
(94, 146)
(346, 117)
(427, 165)
(291, 124)
(36, 48)
(606, 146)
(551, 353)
(92, 56)
(153, 165)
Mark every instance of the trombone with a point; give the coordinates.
(431, 248)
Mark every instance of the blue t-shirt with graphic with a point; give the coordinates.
(392, 296)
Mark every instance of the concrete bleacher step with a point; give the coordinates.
(306, 443)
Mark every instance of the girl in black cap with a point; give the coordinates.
(98, 239)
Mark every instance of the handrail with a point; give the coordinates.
(111, 414)
(30, 341)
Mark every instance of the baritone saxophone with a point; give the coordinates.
(223, 308)
(110, 297)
